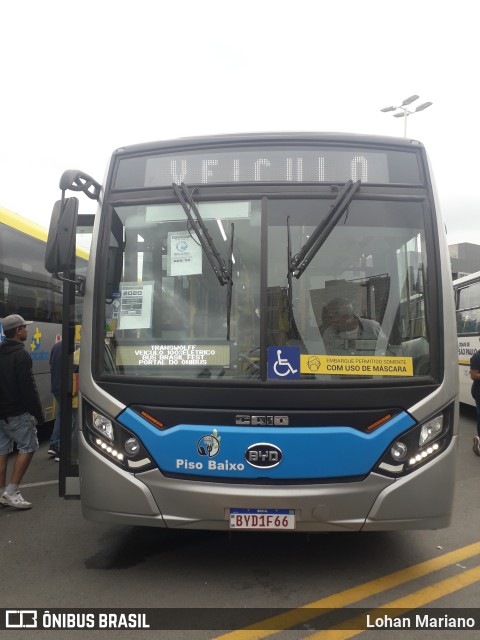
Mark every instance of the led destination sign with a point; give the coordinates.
(267, 164)
(174, 355)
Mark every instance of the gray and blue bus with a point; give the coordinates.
(212, 395)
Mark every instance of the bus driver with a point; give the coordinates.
(345, 330)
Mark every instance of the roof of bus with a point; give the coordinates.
(31, 228)
(270, 138)
(23, 224)
(471, 277)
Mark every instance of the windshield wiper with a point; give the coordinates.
(230, 281)
(302, 259)
(293, 333)
(223, 274)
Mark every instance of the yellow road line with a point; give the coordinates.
(420, 598)
(350, 596)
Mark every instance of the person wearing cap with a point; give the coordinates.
(20, 409)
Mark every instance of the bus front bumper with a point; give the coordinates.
(420, 500)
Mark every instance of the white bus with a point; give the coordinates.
(467, 305)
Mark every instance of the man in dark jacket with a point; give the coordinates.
(475, 376)
(20, 409)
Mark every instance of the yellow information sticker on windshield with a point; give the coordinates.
(356, 365)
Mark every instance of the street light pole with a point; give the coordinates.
(404, 112)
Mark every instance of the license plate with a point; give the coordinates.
(277, 519)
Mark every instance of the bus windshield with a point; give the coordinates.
(169, 315)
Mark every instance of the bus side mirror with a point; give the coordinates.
(61, 236)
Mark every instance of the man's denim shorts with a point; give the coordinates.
(21, 430)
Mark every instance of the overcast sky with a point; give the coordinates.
(79, 79)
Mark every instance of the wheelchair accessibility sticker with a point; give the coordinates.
(283, 362)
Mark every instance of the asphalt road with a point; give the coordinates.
(52, 558)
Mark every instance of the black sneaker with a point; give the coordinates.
(53, 451)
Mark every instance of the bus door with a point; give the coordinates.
(73, 296)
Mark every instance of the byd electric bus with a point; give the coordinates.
(269, 337)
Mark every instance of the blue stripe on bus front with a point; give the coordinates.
(306, 452)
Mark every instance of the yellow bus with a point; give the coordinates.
(28, 289)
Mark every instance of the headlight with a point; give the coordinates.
(103, 425)
(431, 429)
(114, 441)
(132, 446)
(419, 445)
(399, 451)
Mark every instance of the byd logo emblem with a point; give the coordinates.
(263, 455)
